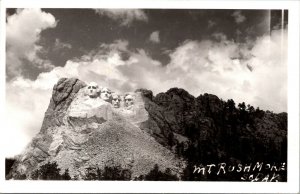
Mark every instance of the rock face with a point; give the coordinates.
(63, 94)
(209, 129)
(172, 129)
(172, 113)
(80, 132)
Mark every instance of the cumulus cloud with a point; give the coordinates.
(22, 34)
(211, 66)
(26, 102)
(270, 69)
(154, 37)
(238, 17)
(126, 16)
(216, 67)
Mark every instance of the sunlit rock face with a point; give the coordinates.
(85, 107)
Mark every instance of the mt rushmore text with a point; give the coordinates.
(257, 172)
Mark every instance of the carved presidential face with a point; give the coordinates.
(105, 94)
(129, 100)
(116, 100)
(92, 90)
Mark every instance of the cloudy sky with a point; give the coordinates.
(238, 54)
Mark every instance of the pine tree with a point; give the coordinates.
(49, 171)
(66, 175)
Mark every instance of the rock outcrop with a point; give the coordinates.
(63, 94)
(80, 132)
(213, 128)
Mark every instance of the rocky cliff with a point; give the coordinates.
(208, 130)
(172, 130)
(80, 133)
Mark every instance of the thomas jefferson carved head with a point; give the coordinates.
(105, 94)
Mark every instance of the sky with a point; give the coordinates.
(234, 54)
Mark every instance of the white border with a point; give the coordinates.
(292, 186)
(171, 4)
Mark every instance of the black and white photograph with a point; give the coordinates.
(146, 94)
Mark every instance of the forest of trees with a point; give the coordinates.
(51, 171)
(117, 173)
(236, 140)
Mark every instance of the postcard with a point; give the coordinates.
(182, 96)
